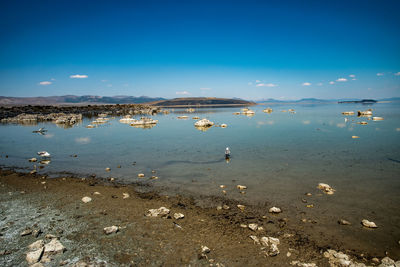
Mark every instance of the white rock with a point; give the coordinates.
(53, 247)
(34, 256)
(37, 264)
(96, 193)
(241, 207)
(368, 224)
(273, 250)
(326, 188)
(111, 229)
(178, 216)
(86, 199)
(386, 262)
(253, 226)
(275, 210)
(36, 245)
(255, 239)
(274, 240)
(205, 249)
(163, 211)
(241, 187)
(125, 195)
(264, 241)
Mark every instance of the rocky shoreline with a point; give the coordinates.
(66, 114)
(92, 222)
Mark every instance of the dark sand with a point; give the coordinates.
(56, 207)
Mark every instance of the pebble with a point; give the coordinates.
(368, 224)
(125, 195)
(111, 229)
(140, 175)
(243, 225)
(253, 226)
(355, 137)
(224, 192)
(241, 207)
(222, 186)
(343, 222)
(96, 193)
(225, 207)
(241, 187)
(205, 249)
(275, 210)
(33, 160)
(108, 169)
(86, 199)
(178, 216)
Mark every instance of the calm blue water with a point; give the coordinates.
(279, 156)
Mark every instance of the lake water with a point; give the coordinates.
(279, 156)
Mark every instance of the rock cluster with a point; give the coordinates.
(41, 252)
(32, 119)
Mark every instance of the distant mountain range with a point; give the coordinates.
(187, 101)
(74, 100)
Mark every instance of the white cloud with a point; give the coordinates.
(379, 74)
(331, 82)
(82, 140)
(306, 84)
(341, 80)
(266, 85)
(45, 83)
(78, 76)
(205, 88)
(182, 93)
(397, 73)
(319, 84)
(352, 76)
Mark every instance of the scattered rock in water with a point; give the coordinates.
(355, 136)
(326, 188)
(308, 194)
(27, 231)
(32, 160)
(310, 206)
(205, 250)
(140, 175)
(336, 258)
(368, 224)
(344, 222)
(377, 119)
(242, 225)
(86, 199)
(125, 195)
(34, 256)
(111, 229)
(275, 210)
(225, 207)
(154, 177)
(36, 245)
(222, 186)
(224, 125)
(108, 169)
(241, 187)
(241, 207)
(162, 211)
(96, 193)
(178, 216)
(253, 226)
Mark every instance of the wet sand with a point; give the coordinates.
(55, 205)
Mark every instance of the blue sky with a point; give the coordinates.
(246, 49)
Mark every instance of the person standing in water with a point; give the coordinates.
(227, 153)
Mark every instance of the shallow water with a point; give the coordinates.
(278, 156)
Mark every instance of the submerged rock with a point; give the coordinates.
(111, 229)
(344, 222)
(275, 210)
(368, 224)
(241, 187)
(140, 175)
(326, 188)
